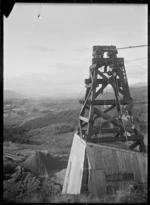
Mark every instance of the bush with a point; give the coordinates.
(17, 135)
(35, 110)
(21, 112)
(64, 129)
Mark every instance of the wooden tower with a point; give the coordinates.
(108, 120)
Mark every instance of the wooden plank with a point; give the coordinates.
(88, 85)
(103, 76)
(106, 161)
(99, 81)
(118, 113)
(98, 159)
(121, 162)
(114, 139)
(109, 130)
(93, 66)
(115, 167)
(91, 154)
(136, 167)
(107, 102)
(97, 49)
(120, 177)
(110, 108)
(87, 92)
(107, 61)
(80, 128)
(127, 157)
(107, 116)
(97, 183)
(95, 157)
(143, 167)
(101, 89)
(87, 97)
(135, 144)
(84, 119)
(84, 184)
(91, 111)
(111, 81)
(110, 160)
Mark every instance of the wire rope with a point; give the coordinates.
(128, 47)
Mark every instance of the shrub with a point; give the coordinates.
(35, 110)
(16, 135)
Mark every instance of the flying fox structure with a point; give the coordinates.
(108, 150)
(116, 120)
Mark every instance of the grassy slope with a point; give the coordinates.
(54, 132)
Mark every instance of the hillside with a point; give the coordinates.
(9, 94)
(139, 92)
(47, 126)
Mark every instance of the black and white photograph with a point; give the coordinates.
(75, 102)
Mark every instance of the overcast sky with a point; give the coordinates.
(51, 55)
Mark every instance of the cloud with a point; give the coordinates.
(43, 85)
(72, 66)
(41, 48)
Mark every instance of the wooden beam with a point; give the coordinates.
(84, 119)
(103, 76)
(135, 144)
(106, 117)
(108, 102)
(96, 130)
(88, 95)
(142, 146)
(84, 124)
(91, 110)
(104, 102)
(87, 92)
(80, 129)
(111, 82)
(100, 81)
(114, 139)
(117, 115)
(110, 108)
(93, 66)
(109, 130)
(108, 61)
(101, 89)
(88, 85)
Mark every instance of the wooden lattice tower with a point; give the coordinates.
(114, 123)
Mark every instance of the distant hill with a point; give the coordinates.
(140, 84)
(11, 94)
(139, 92)
(136, 91)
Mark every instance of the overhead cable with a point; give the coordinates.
(132, 47)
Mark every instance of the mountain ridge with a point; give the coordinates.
(138, 90)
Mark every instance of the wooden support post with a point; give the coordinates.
(91, 111)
